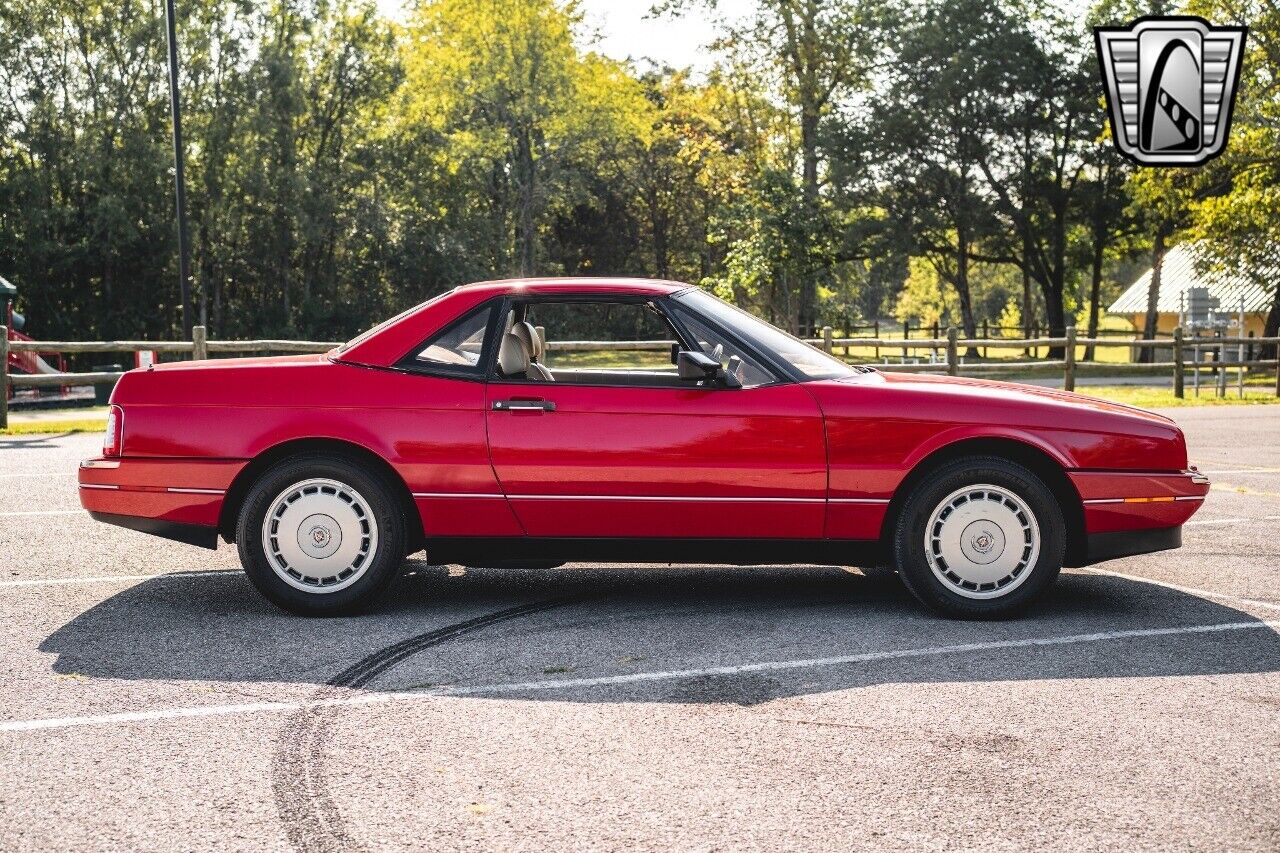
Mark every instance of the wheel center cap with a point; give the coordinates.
(319, 536)
(982, 542)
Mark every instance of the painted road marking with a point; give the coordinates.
(115, 578)
(1214, 521)
(1242, 490)
(45, 512)
(777, 666)
(630, 678)
(35, 476)
(1203, 593)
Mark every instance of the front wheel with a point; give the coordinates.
(979, 538)
(320, 536)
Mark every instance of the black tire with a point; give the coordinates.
(377, 565)
(1023, 588)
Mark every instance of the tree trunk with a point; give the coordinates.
(525, 237)
(1055, 318)
(808, 302)
(661, 244)
(1271, 327)
(1095, 288)
(1147, 354)
(1028, 312)
(962, 291)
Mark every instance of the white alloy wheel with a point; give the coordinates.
(982, 541)
(319, 535)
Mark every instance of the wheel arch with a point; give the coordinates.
(1030, 456)
(359, 454)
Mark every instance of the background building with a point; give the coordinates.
(1196, 299)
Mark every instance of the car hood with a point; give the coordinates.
(988, 390)
(911, 412)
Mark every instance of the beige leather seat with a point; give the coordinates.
(528, 336)
(517, 351)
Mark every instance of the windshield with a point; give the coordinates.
(813, 363)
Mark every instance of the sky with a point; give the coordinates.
(625, 30)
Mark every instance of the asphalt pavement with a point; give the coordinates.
(151, 700)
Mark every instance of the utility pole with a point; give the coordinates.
(184, 250)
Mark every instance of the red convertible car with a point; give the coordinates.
(696, 433)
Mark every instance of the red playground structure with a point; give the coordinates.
(26, 362)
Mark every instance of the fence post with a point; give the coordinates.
(1178, 369)
(1069, 358)
(1220, 357)
(906, 336)
(826, 340)
(4, 377)
(877, 334)
(986, 333)
(952, 364)
(199, 343)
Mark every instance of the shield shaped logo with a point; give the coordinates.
(1170, 84)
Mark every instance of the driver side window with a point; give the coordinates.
(589, 342)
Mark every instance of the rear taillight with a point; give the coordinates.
(113, 439)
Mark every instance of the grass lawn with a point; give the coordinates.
(1162, 398)
(82, 419)
(59, 427)
(618, 359)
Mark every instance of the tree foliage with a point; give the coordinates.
(842, 161)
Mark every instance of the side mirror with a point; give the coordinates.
(698, 367)
(694, 366)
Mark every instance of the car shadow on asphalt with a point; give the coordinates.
(654, 634)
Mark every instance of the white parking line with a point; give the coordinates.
(45, 512)
(630, 678)
(114, 578)
(1196, 521)
(179, 713)
(1190, 590)
(777, 666)
(35, 475)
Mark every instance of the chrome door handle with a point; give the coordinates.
(524, 406)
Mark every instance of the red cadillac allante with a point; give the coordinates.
(454, 428)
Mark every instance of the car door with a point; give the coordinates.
(615, 445)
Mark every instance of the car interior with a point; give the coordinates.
(523, 353)
(643, 346)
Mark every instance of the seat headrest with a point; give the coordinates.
(529, 335)
(513, 356)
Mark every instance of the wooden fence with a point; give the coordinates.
(945, 356)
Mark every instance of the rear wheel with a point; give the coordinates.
(979, 538)
(319, 535)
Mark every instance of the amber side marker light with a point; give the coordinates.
(113, 438)
(1163, 499)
